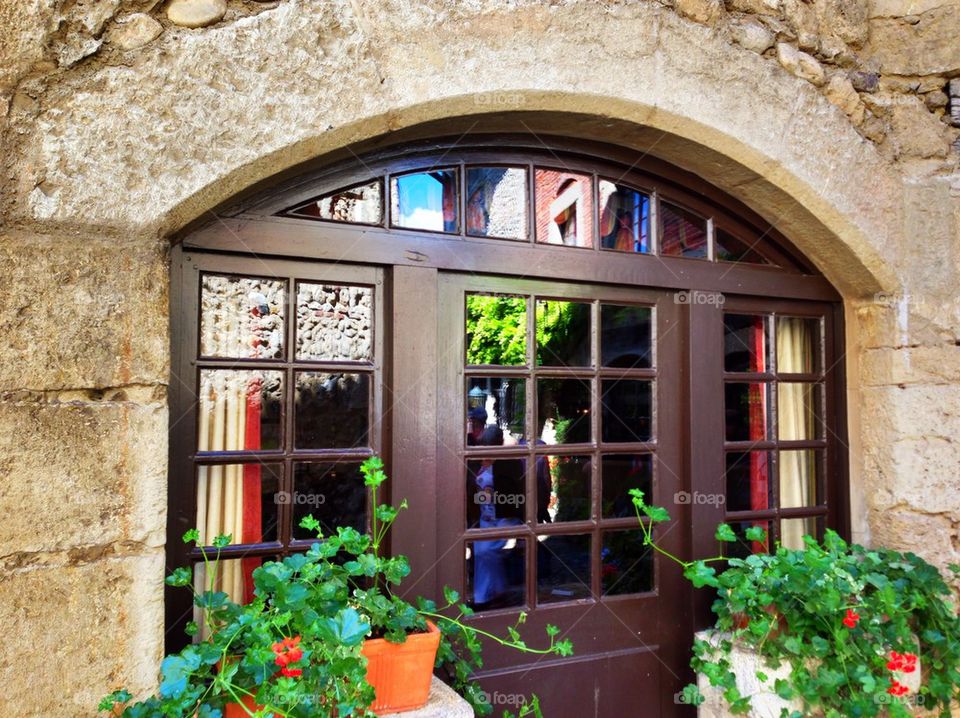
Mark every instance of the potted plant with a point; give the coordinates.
(325, 635)
(854, 625)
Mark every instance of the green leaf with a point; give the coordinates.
(191, 536)
(310, 524)
(552, 630)
(657, 514)
(450, 596)
(223, 540)
(725, 533)
(700, 574)
(346, 628)
(182, 576)
(756, 533)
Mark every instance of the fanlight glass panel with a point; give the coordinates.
(684, 233)
(425, 200)
(497, 202)
(733, 249)
(564, 208)
(624, 218)
(359, 204)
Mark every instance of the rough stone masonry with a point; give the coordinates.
(125, 120)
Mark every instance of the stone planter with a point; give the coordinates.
(765, 703)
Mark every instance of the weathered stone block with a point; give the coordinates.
(921, 47)
(100, 622)
(82, 313)
(81, 475)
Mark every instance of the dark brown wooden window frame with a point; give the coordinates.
(252, 228)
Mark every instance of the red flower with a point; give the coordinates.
(850, 620)
(897, 689)
(288, 651)
(896, 661)
(909, 663)
(296, 672)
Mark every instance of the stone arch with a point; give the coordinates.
(672, 88)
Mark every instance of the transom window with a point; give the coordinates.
(540, 205)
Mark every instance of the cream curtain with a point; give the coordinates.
(795, 415)
(225, 396)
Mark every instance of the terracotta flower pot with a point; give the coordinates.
(235, 710)
(401, 672)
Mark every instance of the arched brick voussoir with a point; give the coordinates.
(200, 115)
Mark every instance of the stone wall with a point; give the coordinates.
(829, 118)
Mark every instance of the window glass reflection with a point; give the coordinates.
(626, 340)
(564, 208)
(496, 489)
(744, 343)
(497, 202)
(332, 410)
(334, 322)
(748, 481)
(360, 204)
(624, 218)
(684, 233)
(239, 410)
(731, 249)
(238, 500)
(563, 491)
(619, 474)
(799, 471)
(333, 494)
(563, 333)
(563, 568)
(627, 410)
(496, 331)
(496, 401)
(745, 408)
(626, 563)
(425, 200)
(496, 573)
(563, 411)
(242, 317)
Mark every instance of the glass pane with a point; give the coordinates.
(743, 547)
(745, 407)
(626, 411)
(497, 202)
(626, 565)
(684, 233)
(239, 410)
(563, 568)
(799, 473)
(332, 411)
(744, 343)
(748, 481)
(238, 500)
(360, 204)
(563, 411)
(798, 411)
(564, 208)
(792, 531)
(496, 329)
(564, 488)
(798, 345)
(496, 492)
(333, 494)
(234, 577)
(563, 333)
(624, 218)
(425, 200)
(496, 573)
(626, 341)
(732, 249)
(496, 411)
(620, 473)
(242, 317)
(334, 322)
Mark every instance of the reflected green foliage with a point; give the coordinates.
(496, 330)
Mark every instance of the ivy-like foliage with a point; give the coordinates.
(295, 650)
(850, 621)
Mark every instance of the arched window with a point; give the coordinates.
(525, 334)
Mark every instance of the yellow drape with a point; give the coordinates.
(796, 420)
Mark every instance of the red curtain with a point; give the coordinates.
(252, 490)
(759, 477)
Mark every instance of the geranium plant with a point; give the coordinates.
(295, 650)
(851, 622)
